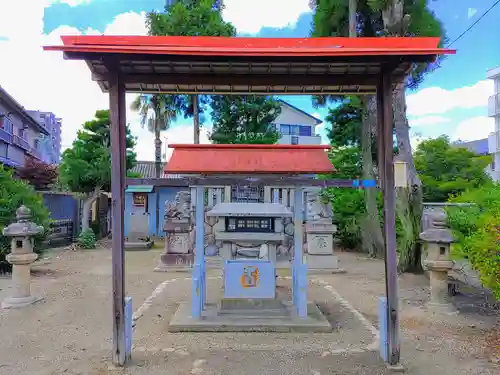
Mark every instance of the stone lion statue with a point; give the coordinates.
(316, 209)
(180, 208)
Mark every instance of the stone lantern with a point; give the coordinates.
(21, 257)
(437, 240)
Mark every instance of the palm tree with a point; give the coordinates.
(157, 113)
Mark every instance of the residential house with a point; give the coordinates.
(494, 111)
(479, 147)
(19, 132)
(50, 144)
(296, 126)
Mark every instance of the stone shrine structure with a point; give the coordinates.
(21, 257)
(437, 240)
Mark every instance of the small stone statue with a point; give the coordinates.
(180, 207)
(316, 209)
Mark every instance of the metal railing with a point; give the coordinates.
(494, 105)
(23, 143)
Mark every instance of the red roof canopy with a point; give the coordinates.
(239, 46)
(223, 65)
(249, 159)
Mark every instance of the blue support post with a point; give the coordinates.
(196, 292)
(299, 269)
(383, 324)
(302, 290)
(199, 267)
(128, 328)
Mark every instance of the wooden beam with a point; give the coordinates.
(118, 158)
(233, 79)
(251, 181)
(385, 117)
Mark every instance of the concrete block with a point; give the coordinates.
(315, 262)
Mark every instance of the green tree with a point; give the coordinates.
(380, 18)
(348, 204)
(191, 18)
(13, 194)
(245, 119)
(447, 170)
(86, 166)
(157, 112)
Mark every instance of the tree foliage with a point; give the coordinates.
(447, 170)
(245, 119)
(87, 164)
(190, 18)
(331, 18)
(477, 231)
(13, 194)
(40, 175)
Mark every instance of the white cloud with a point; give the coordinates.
(471, 12)
(474, 128)
(251, 16)
(435, 100)
(42, 80)
(428, 120)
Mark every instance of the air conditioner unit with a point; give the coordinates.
(294, 139)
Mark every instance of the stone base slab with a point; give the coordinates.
(138, 245)
(249, 321)
(321, 262)
(17, 303)
(175, 262)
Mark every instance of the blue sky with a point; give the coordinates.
(452, 100)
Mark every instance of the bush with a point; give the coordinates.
(477, 231)
(13, 194)
(87, 239)
(348, 204)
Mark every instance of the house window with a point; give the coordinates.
(140, 199)
(303, 130)
(250, 224)
(6, 124)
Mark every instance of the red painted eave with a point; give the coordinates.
(224, 46)
(249, 159)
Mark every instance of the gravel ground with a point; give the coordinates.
(69, 332)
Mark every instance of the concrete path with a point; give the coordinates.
(69, 332)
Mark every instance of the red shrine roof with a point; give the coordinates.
(241, 46)
(237, 65)
(249, 159)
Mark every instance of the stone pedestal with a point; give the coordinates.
(440, 300)
(178, 255)
(437, 240)
(21, 258)
(320, 247)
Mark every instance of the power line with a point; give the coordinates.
(474, 23)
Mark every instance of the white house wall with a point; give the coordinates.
(290, 116)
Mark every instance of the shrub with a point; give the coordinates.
(477, 231)
(87, 239)
(13, 194)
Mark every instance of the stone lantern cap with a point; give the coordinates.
(438, 232)
(23, 227)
